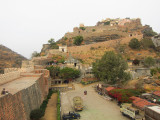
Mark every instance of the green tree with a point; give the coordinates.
(82, 28)
(36, 114)
(78, 40)
(69, 73)
(149, 33)
(149, 61)
(35, 54)
(147, 43)
(111, 68)
(53, 44)
(54, 71)
(134, 43)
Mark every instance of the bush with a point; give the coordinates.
(58, 106)
(78, 40)
(107, 23)
(147, 43)
(93, 30)
(150, 33)
(82, 28)
(36, 114)
(123, 95)
(149, 61)
(134, 44)
(92, 48)
(154, 71)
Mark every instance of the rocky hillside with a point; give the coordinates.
(109, 29)
(9, 58)
(88, 53)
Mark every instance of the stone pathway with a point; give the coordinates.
(51, 110)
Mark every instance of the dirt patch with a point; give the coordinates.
(51, 110)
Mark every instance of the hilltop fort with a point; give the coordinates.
(108, 29)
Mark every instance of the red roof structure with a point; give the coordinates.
(110, 88)
(157, 93)
(140, 103)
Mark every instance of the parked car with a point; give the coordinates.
(71, 115)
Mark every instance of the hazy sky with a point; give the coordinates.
(27, 24)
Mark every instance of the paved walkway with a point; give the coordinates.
(95, 106)
(51, 110)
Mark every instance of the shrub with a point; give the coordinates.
(78, 40)
(36, 114)
(150, 33)
(65, 38)
(134, 44)
(92, 48)
(58, 106)
(149, 61)
(153, 71)
(107, 23)
(93, 30)
(82, 28)
(123, 95)
(147, 43)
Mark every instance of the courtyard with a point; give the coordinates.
(95, 106)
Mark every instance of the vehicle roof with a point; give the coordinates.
(155, 108)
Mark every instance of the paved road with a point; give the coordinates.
(96, 107)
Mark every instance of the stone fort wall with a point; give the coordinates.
(19, 105)
(11, 74)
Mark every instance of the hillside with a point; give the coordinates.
(109, 29)
(9, 58)
(88, 53)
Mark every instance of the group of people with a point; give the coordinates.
(4, 92)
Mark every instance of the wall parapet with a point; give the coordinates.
(8, 77)
(12, 74)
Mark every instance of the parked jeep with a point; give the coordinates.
(71, 115)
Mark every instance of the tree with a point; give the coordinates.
(149, 33)
(78, 40)
(35, 54)
(111, 68)
(149, 61)
(54, 71)
(134, 43)
(36, 114)
(53, 44)
(69, 73)
(147, 43)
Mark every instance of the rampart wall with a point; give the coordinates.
(18, 106)
(12, 74)
(27, 86)
(8, 77)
